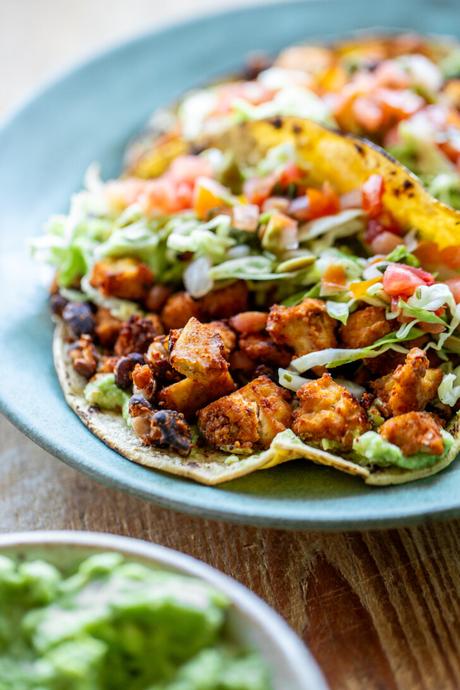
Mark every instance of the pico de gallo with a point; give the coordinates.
(401, 91)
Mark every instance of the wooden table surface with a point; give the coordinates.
(379, 610)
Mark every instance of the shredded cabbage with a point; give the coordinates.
(335, 357)
(291, 101)
(339, 310)
(449, 388)
(257, 267)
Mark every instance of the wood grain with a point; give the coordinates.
(379, 610)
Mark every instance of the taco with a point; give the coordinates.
(288, 293)
(400, 91)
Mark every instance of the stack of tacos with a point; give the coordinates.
(259, 293)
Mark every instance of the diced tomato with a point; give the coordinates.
(160, 196)
(258, 189)
(290, 174)
(454, 286)
(322, 202)
(280, 203)
(372, 195)
(402, 281)
(245, 217)
(377, 226)
(398, 104)
(189, 169)
(385, 242)
(392, 137)
(351, 199)
(391, 74)
(252, 91)
(299, 208)
(368, 113)
(451, 149)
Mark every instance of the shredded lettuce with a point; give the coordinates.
(372, 449)
(120, 308)
(339, 310)
(257, 267)
(335, 357)
(342, 224)
(291, 101)
(446, 187)
(449, 388)
(275, 159)
(292, 381)
(419, 314)
(450, 65)
(402, 255)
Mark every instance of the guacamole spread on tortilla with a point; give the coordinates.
(114, 624)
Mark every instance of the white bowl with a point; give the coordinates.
(252, 622)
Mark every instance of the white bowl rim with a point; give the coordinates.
(297, 656)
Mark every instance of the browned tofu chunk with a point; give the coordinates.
(179, 308)
(410, 387)
(136, 334)
(188, 396)
(248, 419)
(328, 412)
(227, 335)
(199, 352)
(225, 302)
(414, 432)
(364, 327)
(307, 327)
(126, 278)
(261, 349)
(107, 327)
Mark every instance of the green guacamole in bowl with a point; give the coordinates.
(111, 623)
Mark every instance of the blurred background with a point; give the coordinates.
(40, 38)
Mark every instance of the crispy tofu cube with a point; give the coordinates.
(328, 412)
(306, 327)
(225, 302)
(410, 387)
(364, 327)
(248, 419)
(199, 352)
(178, 309)
(126, 278)
(188, 396)
(414, 432)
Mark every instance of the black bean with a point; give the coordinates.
(138, 405)
(174, 430)
(124, 368)
(79, 318)
(58, 303)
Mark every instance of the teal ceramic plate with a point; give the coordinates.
(90, 114)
